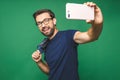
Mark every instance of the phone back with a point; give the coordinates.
(79, 11)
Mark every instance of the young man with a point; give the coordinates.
(61, 51)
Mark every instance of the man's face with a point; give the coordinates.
(46, 24)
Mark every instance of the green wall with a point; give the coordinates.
(99, 60)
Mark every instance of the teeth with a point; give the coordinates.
(45, 29)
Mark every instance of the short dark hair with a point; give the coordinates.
(38, 12)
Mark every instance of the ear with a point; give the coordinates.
(54, 21)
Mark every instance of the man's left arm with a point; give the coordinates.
(95, 29)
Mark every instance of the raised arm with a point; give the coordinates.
(95, 29)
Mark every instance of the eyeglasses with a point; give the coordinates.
(45, 22)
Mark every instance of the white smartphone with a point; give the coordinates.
(79, 11)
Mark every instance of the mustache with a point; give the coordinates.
(45, 28)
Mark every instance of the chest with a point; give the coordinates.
(57, 49)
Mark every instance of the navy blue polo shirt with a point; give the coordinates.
(61, 56)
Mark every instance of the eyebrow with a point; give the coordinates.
(39, 21)
(42, 20)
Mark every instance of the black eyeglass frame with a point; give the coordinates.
(45, 22)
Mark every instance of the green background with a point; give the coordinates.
(19, 36)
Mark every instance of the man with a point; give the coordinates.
(61, 51)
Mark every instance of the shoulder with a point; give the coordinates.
(70, 34)
(69, 31)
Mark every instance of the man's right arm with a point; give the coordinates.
(37, 57)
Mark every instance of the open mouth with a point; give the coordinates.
(45, 29)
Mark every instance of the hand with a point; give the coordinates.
(36, 56)
(98, 18)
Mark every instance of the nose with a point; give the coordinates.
(43, 25)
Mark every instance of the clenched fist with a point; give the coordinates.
(37, 56)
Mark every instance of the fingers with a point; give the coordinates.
(36, 56)
(91, 4)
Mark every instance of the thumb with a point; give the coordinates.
(38, 51)
(89, 21)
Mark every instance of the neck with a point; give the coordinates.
(55, 32)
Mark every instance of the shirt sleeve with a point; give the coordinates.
(70, 35)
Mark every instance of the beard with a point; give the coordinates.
(50, 33)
